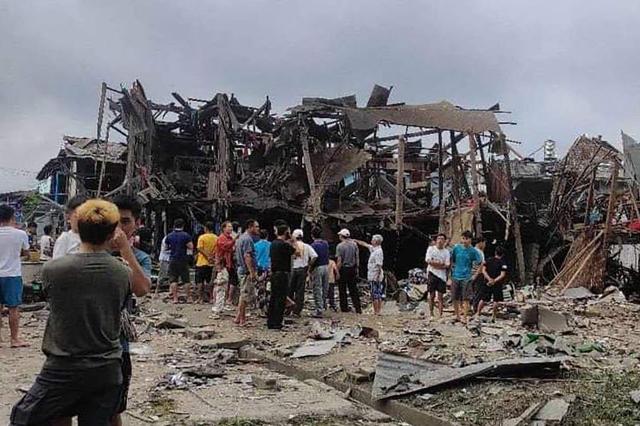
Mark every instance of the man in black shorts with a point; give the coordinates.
(438, 260)
(495, 272)
(281, 252)
(179, 242)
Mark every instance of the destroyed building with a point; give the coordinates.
(407, 171)
(77, 168)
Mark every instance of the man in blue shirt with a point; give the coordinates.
(263, 247)
(178, 243)
(320, 271)
(463, 257)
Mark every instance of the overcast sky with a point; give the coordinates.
(562, 68)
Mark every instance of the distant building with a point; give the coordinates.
(77, 169)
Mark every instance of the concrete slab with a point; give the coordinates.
(552, 322)
(554, 410)
(233, 400)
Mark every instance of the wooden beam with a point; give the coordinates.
(314, 196)
(475, 190)
(406, 135)
(514, 216)
(611, 207)
(400, 182)
(590, 196)
(455, 163)
(443, 204)
(103, 98)
(634, 201)
(485, 168)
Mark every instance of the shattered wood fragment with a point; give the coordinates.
(523, 418)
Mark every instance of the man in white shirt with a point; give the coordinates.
(375, 273)
(438, 260)
(46, 244)
(165, 259)
(14, 243)
(69, 241)
(303, 262)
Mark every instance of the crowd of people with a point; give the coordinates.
(473, 281)
(246, 265)
(94, 269)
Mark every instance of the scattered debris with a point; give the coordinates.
(205, 371)
(524, 417)
(361, 375)
(265, 383)
(320, 347)
(635, 396)
(554, 410)
(577, 293)
(226, 343)
(369, 333)
(396, 375)
(170, 323)
(136, 348)
(205, 333)
(319, 332)
(612, 295)
(545, 319)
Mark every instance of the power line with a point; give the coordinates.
(17, 172)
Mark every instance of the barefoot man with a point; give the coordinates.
(13, 244)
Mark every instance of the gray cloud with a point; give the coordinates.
(563, 68)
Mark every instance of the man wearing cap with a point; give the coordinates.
(303, 262)
(375, 273)
(348, 262)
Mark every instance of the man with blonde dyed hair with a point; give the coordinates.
(86, 291)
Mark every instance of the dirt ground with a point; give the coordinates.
(597, 382)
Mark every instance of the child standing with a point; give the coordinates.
(219, 286)
(334, 275)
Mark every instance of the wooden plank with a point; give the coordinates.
(575, 259)
(400, 182)
(443, 204)
(103, 96)
(590, 196)
(611, 206)
(475, 184)
(517, 236)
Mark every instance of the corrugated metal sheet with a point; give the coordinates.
(443, 115)
(91, 148)
(332, 164)
(83, 148)
(390, 368)
(397, 375)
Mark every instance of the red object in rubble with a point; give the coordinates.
(634, 225)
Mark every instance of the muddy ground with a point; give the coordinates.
(596, 379)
